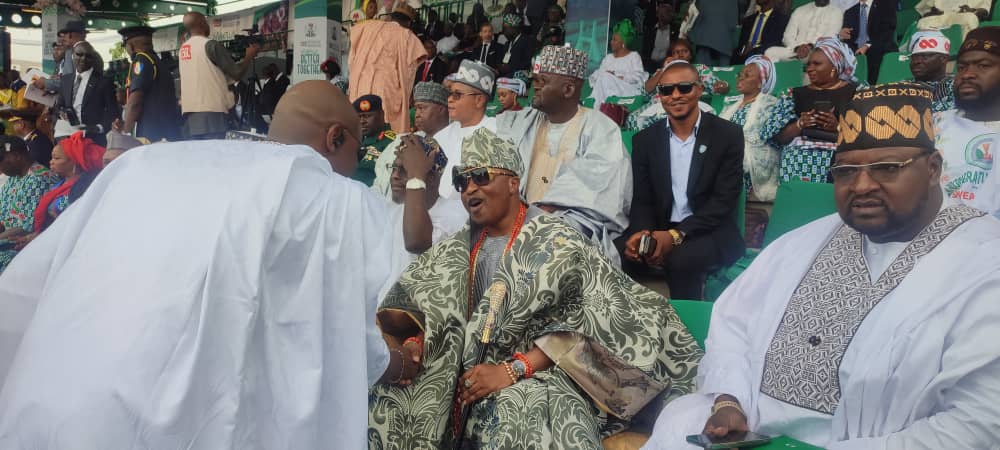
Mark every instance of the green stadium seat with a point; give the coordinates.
(991, 23)
(631, 104)
(905, 19)
(861, 72)
(996, 10)
(798, 203)
(787, 443)
(696, 316)
(954, 34)
(717, 281)
(895, 67)
(789, 75)
(908, 4)
(728, 74)
(627, 139)
(798, 3)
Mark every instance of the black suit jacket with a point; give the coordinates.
(270, 93)
(439, 70)
(520, 54)
(40, 147)
(881, 25)
(714, 184)
(770, 35)
(99, 105)
(494, 55)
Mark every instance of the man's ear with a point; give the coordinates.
(935, 163)
(334, 138)
(514, 186)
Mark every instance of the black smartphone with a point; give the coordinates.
(646, 245)
(823, 105)
(732, 440)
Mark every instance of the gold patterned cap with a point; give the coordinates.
(483, 148)
(985, 39)
(888, 115)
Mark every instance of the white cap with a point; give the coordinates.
(930, 41)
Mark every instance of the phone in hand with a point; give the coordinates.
(646, 245)
(823, 106)
(739, 439)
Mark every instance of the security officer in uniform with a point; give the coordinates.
(23, 125)
(375, 136)
(151, 109)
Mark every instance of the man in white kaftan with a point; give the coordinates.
(576, 163)
(204, 296)
(964, 13)
(871, 335)
(807, 24)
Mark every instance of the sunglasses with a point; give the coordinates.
(455, 95)
(482, 176)
(881, 172)
(684, 88)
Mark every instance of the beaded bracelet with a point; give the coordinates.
(401, 366)
(510, 372)
(727, 404)
(415, 340)
(528, 369)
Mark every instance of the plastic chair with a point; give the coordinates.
(789, 75)
(895, 67)
(907, 16)
(861, 72)
(696, 316)
(954, 34)
(798, 203)
(627, 136)
(996, 11)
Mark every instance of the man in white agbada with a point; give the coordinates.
(969, 136)
(430, 115)
(205, 296)
(470, 91)
(868, 329)
(807, 24)
(575, 162)
(941, 14)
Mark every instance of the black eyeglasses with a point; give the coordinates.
(684, 88)
(455, 95)
(881, 172)
(479, 175)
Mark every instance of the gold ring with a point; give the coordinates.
(469, 383)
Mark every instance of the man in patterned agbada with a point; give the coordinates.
(530, 337)
(872, 335)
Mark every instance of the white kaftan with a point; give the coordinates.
(592, 179)
(968, 21)
(915, 374)
(807, 24)
(450, 139)
(202, 296)
(622, 77)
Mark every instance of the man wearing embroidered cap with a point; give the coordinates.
(430, 115)
(151, 109)
(928, 63)
(833, 349)
(376, 135)
(522, 381)
(969, 136)
(518, 49)
(469, 93)
(576, 164)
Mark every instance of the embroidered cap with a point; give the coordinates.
(888, 115)
(368, 103)
(985, 39)
(512, 20)
(476, 75)
(483, 148)
(430, 92)
(118, 141)
(431, 146)
(512, 84)
(565, 60)
(929, 41)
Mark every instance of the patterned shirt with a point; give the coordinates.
(19, 197)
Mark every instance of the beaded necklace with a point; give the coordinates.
(519, 222)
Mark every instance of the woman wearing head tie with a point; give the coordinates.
(760, 158)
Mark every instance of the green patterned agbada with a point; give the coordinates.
(615, 346)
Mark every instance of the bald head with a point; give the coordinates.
(196, 24)
(315, 113)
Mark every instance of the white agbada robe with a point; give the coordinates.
(807, 24)
(200, 295)
(951, 16)
(450, 139)
(622, 77)
(920, 373)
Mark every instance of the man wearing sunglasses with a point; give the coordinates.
(247, 322)
(519, 311)
(688, 175)
(864, 329)
(469, 93)
(576, 163)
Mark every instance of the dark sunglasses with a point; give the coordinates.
(479, 175)
(684, 88)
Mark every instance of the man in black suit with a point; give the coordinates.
(22, 122)
(489, 51)
(433, 69)
(687, 175)
(870, 29)
(275, 84)
(519, 47)
(761, 31)
(87, 95)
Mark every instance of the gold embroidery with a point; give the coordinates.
(851, 128)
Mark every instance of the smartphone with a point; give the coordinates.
(732, 440)
(646, 245)
(823, 105)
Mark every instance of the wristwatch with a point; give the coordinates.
(416, 184)
(677, 235)
(518, 367)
